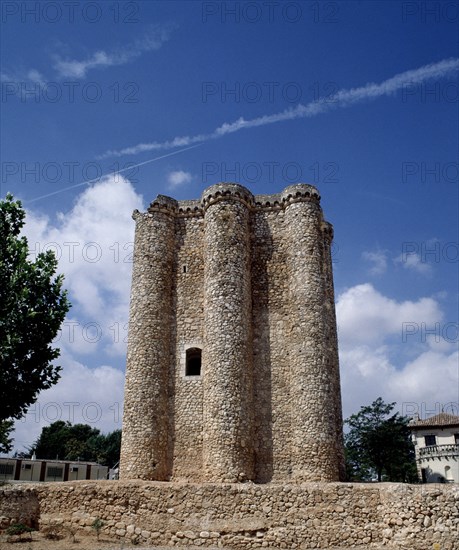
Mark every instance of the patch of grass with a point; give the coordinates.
(97, 525)
(19, 532)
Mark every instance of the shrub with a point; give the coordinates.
(16, 531)
(97, 526)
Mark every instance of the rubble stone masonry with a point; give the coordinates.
(246, 282)
(243, 515)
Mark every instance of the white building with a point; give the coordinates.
(436, 442)
(28, 469)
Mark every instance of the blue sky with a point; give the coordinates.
(357, 98)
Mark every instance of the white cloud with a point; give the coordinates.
(379, 261)
(94, 245)
(34, 76)
(432, 373)
(420, 371)
(25, 84)
(19, 82)
(343, 98)
(78, 69)
(367, 317)
(82, 395)
(414, 262)
(72, 68)
(423, 385)
(178, 178)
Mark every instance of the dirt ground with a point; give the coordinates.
(38, 541)
(90, 543)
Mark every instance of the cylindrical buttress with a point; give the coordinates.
(227, 353)
(144, 447)
(311, 381)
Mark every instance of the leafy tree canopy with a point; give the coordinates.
(6, 443)
(379, 445)
(77, 442)
(33, 306)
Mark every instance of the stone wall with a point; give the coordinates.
(243, 516)
(247, 279)
(186, 393)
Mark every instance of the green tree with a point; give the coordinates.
(77, 442)
(52, 440)
(6, 443)
(379, 444)
(33, 306)
(106, 448)
(62, 440)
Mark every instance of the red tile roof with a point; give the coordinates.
(441, 419)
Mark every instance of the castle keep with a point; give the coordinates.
(233, 376)
(232, 366)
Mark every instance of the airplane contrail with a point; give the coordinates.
(95, 180)
(343, 98)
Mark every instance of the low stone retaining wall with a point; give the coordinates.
(242, 516)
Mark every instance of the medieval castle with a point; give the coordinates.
(232, 367)
(232, 376)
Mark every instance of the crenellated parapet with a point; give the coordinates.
(300, 192)
(187, 209)
(227, 191)
(164, 204)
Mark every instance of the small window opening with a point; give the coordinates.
(184, 269)
(193, 362)
(430, 440)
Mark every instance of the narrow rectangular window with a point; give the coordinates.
(193, 362)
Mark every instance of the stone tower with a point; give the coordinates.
(232, 365)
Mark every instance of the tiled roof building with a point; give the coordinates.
(436, 441)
